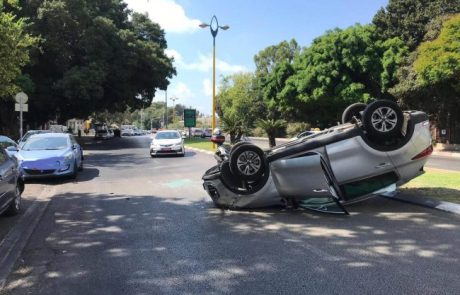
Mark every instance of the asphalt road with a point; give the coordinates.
(135, 225)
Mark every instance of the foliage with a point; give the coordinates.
(292, 129)
(408, 19)
(438, 61)
(273, 69)
(343, 67)
(429, 79)
(15, 45)
(272, 127)
(96, 56)
(237, 106)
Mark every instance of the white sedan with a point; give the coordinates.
(167, 142)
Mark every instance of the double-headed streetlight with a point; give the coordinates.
(214, 27)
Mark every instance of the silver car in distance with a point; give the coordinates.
(167, 142)
(376, 148)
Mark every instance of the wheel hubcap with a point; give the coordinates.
(384, 119)
(249, 163)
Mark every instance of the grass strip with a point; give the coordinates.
(437, 184)
(199, 143)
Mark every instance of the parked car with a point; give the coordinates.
(8, 145)
(127, 132)
(207, 132)
(103, 134)
(197, 132)
(50, 155)
(167, 142)
(376, 148)
(11, 184)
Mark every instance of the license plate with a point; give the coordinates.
(166, 149)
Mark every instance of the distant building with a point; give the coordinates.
(75, 125)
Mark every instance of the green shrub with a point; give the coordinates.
(258, 132)
(293, 129)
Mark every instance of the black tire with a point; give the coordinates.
(383, 120)
(353, 110)
(247, 162)
(80, 168)
(239, 143)
(15, 205)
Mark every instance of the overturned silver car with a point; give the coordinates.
(376, 148)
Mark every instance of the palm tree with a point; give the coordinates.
(271, 127)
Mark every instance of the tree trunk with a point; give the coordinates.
(271, 140)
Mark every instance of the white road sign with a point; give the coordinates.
(21, 107)
(21, 97)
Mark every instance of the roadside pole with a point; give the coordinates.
(21, 106)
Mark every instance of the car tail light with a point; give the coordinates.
(425, 153)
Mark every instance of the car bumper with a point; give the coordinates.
(37, 173)
(167, 151)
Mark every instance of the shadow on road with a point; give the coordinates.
(120, 244)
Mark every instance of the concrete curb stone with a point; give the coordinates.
(426, 202)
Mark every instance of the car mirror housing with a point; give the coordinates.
(12, 148)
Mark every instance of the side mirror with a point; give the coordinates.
(12, 148)
(75, 146)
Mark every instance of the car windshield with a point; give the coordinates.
(168, 135)
(46, 143)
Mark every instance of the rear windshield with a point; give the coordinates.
(46, 143)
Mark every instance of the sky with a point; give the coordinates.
(254, 25)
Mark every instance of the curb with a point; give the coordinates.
(425, 202)
(15, 241)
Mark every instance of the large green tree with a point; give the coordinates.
(408, 19)
(96, 56)
(430, 81)
(340, 68)
(237, 104)
(15, 45)
(273, 68)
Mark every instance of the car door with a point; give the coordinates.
(7, 178)
(308, 181)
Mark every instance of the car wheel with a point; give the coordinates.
(80, 168)
(247, 161)
(383, 120)
(353, 110)
(183, 153)
(15, 206)
(239, 143)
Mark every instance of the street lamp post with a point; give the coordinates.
(174, 106)
(214, 27)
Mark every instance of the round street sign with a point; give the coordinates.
(21, 98)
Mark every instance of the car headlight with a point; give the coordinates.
(67, 159)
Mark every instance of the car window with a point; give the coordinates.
(6, 142)
(167, 135)
(46, 143)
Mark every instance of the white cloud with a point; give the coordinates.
(181, 91)
(204, 64)
(207, 87)
(168, 14)
(174, 54)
